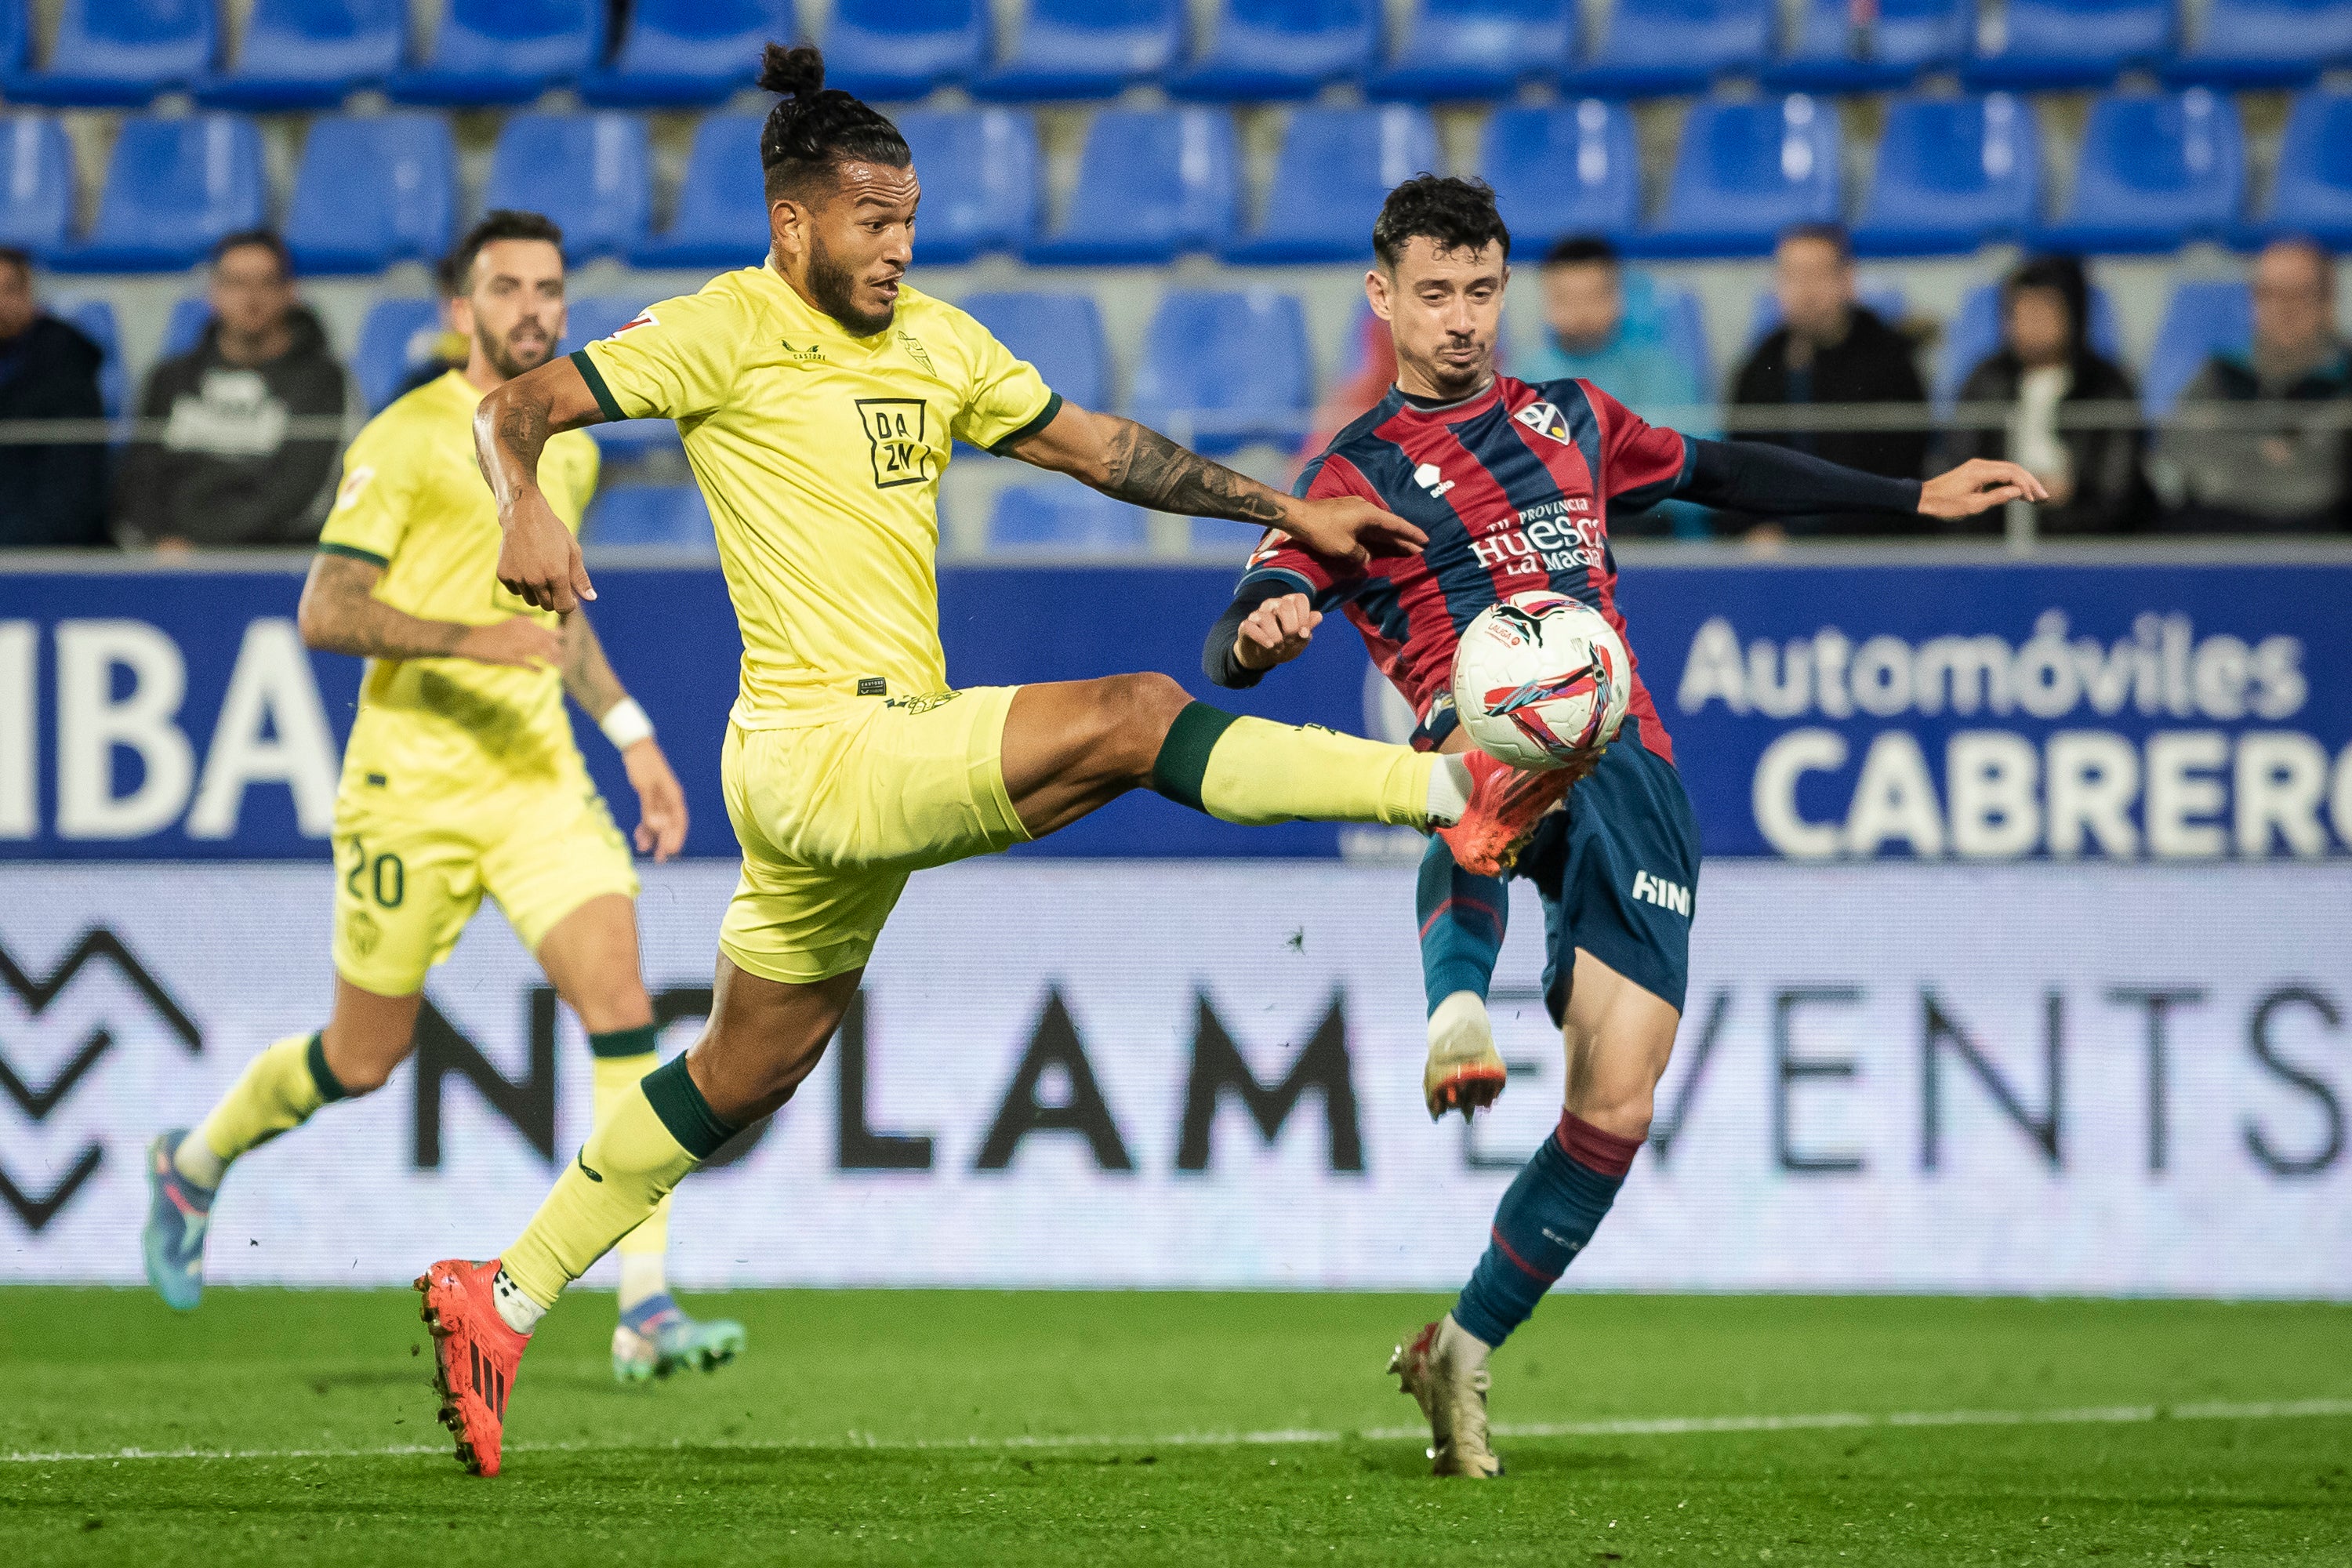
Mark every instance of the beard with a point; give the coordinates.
(835, 290)
(507, 359)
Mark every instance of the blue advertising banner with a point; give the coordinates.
(1978, 710)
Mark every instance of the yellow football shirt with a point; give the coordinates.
(819, 455)
(413, 503)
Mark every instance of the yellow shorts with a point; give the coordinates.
(833, 817)
(406, 887)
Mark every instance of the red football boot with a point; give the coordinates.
(475, 1356)
(1505, 804)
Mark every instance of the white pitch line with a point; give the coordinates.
(1659, 1426)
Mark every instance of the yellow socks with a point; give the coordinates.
(1257, 772)
(630, 1163)
(621, 1058)
(280, 1089)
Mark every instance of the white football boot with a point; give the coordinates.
(1444, 1369)
(1464, 1073)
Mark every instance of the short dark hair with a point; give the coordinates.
(457, 270)
(813, 129)
(1832, 235)
(1451, 213)
(256, 238)
(17, 256)
(1582, 250)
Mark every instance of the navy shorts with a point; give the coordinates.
(1618, 871)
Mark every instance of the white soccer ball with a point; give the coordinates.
(1541, 680)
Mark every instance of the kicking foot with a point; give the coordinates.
(1445, 1370)
(179, 1211)
(475, 1356)
(1505, 804)
(655, 1338)
(1466, 1073)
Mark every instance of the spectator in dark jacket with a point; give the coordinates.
(2045, 363)
(1830, 350)
(50, 494)
(224, 470)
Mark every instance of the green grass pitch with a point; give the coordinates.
(976, 1427)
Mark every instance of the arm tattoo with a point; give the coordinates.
(520, 430)
(1148, 469)
(588, 675)
(342, 615)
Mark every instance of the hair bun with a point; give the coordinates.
(795, 73)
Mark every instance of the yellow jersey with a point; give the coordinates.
(819, 455)
(413, 503)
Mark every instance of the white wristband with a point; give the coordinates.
(626, 724)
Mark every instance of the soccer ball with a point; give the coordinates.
(1541, 680)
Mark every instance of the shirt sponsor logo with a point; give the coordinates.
(895, 435)
(813, 354)
(1649, 890)
(1545, 420)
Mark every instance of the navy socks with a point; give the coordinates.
(1546, 1218)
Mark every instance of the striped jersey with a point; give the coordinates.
(1513, 487)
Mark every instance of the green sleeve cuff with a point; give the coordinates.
(355, 553)
(595, 380)
(1044, 417)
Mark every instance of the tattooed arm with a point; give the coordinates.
(341, 613)
(589, 680)
(1122, 459)
(540, 559)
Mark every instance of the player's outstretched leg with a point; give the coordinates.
(1507, 803)
(1462, 917)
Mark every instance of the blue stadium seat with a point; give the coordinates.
(672, 516)
(722, 205)
(1908, 38)
(1061, 334)
(2265, 42)
(1153, 185)
(172, 187)
(590, 173)
(689, 52)
(398, 336)
(505, 51)
(1223, 370)
(15, 37)
(588, 319)
(1453, 49)
(1264, 50)
(1685, 328)
(1952, 175)
(2203, 319)
(1065, 517)
(307, 54)
(1745, 172)
(1656, 48)
(978, 172)
(2157, 172)
(1087, 48)
(184, 328)
(1336, 167)
(1563, 169)
(2312, 192)
(1974, 332)
(1885, 301)
(372, 190)
(96, 319)
(109, 52)
(36, 174)
(2073, 43)
(898, 50)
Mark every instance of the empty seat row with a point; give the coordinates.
(1951, 173)
(310, 53)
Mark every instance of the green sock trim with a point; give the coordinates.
(1183, 760)
(683, 1110)
(331, 1088)
(636, 1042)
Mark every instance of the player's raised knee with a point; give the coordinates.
(1131, 715)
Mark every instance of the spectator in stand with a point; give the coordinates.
(1828, 350)
(2290, 475)
(2044, 364)
(1603, 326)
(224, 471)
(50, 494)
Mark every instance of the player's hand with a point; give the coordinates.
(1350, 529)
(539, 560)
(661, 804)
(1276, 632)
(1978, 485)
(517, 640)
